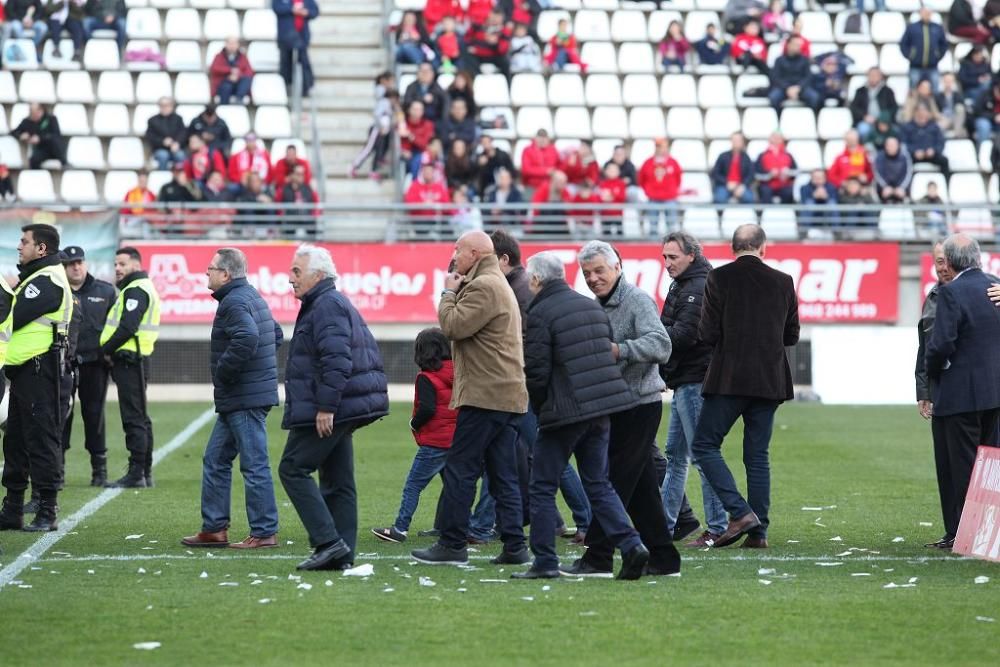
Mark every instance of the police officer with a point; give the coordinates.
(41, 315)
(91, 371)
(128, 338)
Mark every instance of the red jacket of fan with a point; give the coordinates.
(660, 178)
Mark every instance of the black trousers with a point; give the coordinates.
(632, 471)
(47, 149)
(946, 487)
(31, 447)
(130, 375)
(963, 433)
(92, 392)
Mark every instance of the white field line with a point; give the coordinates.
(36, 550)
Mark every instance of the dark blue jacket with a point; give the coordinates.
(919, 138)
(245, 340)
(720, 170)
(807, 193)
(334, 364)
(288, 36)
(895, 171)
(709, 55)
(915, 47)
(963, 360)
(789, 71)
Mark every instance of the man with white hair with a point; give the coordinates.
(334, 385)
(574, 385)
(639, 345)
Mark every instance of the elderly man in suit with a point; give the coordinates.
(749, 315)
(963, 363)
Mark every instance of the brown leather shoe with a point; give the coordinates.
(256, 543)
(203, 539)
(736, 529)
(754, 543)
(703, 541)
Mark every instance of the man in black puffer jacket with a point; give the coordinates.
(245, 340)
(334, 385)
(574, 385)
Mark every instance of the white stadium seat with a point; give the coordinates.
(779, 224)
(628, 26)
(610, 121)
(270, 89)
(85, 153)
(807, 153)
(151, 86)
(488, 115)
(236, 117)
(831, 150)
(207, 4)
(4, 129)
(702, 223)
(101, 54)
(798, 123)
(646, 123)
(734, 217)
(126, 153)
(222, 24)
(565, 90)
(79, 187)
(961, 154)
(548, 23)
(213, 49)
(18, 112)
(72, 118)
(918, 186)
(690, 154)
(717, 5)
(271, 122)
(261, 4)
(117, 184)
(749, 82)
(34, 186)
(8, 89)
(489, 89)
(115, 87)
(528, 90)
(759, 123)
(640, 90)
(985, 157)
(843, 37)
(635, 57)
(887, 27)
(111, 120)
(600, 57)
(600, 89)
(182, 23)
(64, 61)
(715, 148)
(591, 25)
(157, 179)
(167, 4)
(967, 189)
(572, 122)
(532, 119)
(696, 22)
(816, 27)
(699, 187)
(659, 21)
(685, 123)
(192, 88)
(263, 56)
(37, 86)
(865, 56)
(834, 122)
(188, 112)
(144, 23)
(715, 91)
(141, 116)
(140, 45)
(896, 223)
(279, 146)
(891, 60)
(74, 87)
(678, 90)
(721, 122)
(27, 49)
(183, 56)
(10, 150)
(259, 24)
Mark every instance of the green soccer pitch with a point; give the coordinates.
(846, 580)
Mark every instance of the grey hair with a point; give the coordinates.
(688, 244)
(319, 259)
(233, 262)
(546, 266)
(596, 249)
(962, 252)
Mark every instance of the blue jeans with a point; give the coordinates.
(588, 441)
(984, 130)
(685, 408)
(429, 461)
(652, 214)
(242, 433)
(718, 414)
(164, 157)
(721, 195)
(807, 96)
(90, 24)
(929, 73)
(239, 90)
(15, 30)
(410, 54)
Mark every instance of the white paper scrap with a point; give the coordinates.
(836, 539)
(766, 570)
(134, 537)
(146, 646)
(765, 582)
(986, 619)
(981, 580)
(427, 581)
(304, 586)
(364, 570)
(899, 539)
(203, 575)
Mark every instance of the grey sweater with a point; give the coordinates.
(643, 343)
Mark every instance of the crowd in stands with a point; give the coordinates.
(450, 157)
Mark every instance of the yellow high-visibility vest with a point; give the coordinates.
(35, 338)
(8, 323)
(149, 326)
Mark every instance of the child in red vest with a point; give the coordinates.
(611, 190)
(433, 426)
(563, 49)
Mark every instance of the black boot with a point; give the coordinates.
(133, 479)
(12, 513)
(148, 476)
(32, 505)
(45, 520)
(99, 469)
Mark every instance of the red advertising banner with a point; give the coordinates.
(847, 282)
(928, 276)
(979, 530)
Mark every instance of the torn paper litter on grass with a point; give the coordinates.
(981, 580)
(365, 570)
(146, 646)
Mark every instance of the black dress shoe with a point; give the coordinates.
(512, 557)
(532, 573)
(945, 542)
(634, 562)
(439, 554)
(323, 558)
(685, 528)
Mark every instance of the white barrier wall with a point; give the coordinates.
(864, 365)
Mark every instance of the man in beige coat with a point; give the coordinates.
(480, 315)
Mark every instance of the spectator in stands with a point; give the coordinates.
(563, 49)
(626, 169)
(820, 198)
(853, 162)
(710, 49)
(776, 22)
(738, 13)
(300, 212)
(974, 73)
(733, 173)
(924, 44)
(884, 128)
(39, 130)
(253, 191)
(805, 46)
(66, 15)
(22, 15)
(524, 11)
(449, 47)
(231, 74)
(660, 178)
(831, 80)
(987, 112)
(459, 170)
(870, 100)
(525, 54)
(464, 216)
(962, 23)
(212, 130)
(458, 125)
(951, 107)
(489, 160)
(427, 90)
(674, 47)
(925, 141)
(384, 119)
(776, 170)
(991, 19)
(293, 38)
(410, 40)
(921, 95)
(434, 156)
(790, 78)
(435, 10)
(538, 161)
(285, 166)
(426, 190)
(461, 89)
(6, 184)
(612, 189)
(893, 173)
(253, 158)
(178, 190)
(489, 43)
(552, 219)
(503, 192)
(166, 134)
(202, 160)
(934, 220)
(580, 165)
(414, 134)
(106, 15)
(749, 50)
(585, 216)
(136, 198)
(214, 189)
(853, 193)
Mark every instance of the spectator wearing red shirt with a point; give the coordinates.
(300, 212)
(448, 45)
(253, 157)
(563, 49)
(414, 135)
(612, 190)
(776, 172)
(660, 178)
(733, 173)
(284, 167)
(553, 219)
(479, 11)
(489, 43)
(538, 161)
(436, 10)
(426, 190)
(749, 48)
(852, 163)
(584, 216)
(580, 165)
(231, 74)
(202, 160)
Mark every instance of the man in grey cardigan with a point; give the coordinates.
(640, 344)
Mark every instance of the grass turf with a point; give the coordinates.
(96, 593)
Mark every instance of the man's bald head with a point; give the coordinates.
(470, 248)
(749, 239)
(962, 252)
(478, 240)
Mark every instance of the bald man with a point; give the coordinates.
(479, 313)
